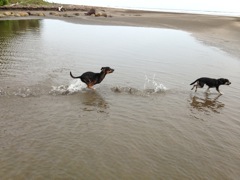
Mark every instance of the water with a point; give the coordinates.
(141, 122)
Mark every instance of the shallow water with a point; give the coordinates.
(141, 122)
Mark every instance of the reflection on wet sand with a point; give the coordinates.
(206, 103)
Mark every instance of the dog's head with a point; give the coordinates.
(224, 81)
(107, 70)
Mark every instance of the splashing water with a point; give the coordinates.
(75, 86)
(150, 87)
(157, 87)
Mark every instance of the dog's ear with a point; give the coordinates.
(103, 69)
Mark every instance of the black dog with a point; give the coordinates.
(211, 83)
(91, 78)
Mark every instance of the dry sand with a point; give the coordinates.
(219, 31)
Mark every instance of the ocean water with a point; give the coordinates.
(142, 122)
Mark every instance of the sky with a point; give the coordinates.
(194, 5)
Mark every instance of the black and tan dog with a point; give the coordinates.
(91, 78)
(211, 83)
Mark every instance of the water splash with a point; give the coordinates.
(128, 90)
(157, 87)
(151, 86)
(75, 86)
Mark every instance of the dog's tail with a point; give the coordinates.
(194, 82)
(74, 76)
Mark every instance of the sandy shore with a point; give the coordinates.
(219, 31)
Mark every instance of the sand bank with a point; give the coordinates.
(219, 31)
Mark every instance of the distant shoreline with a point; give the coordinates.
(69, 7)
(219, 31)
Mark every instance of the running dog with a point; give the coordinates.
(211, 83)
(91, 78)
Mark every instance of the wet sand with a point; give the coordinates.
(220, 31)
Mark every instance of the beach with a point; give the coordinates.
(142, 121)
(220, 31)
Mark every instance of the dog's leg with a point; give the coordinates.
(197, 85)
(196, 88)
(217, 97)
(217, 88)
(208, 90)
(193, 87)
(90, 87)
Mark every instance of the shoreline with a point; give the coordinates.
(222, 32)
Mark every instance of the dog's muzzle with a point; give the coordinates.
(111, 70)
